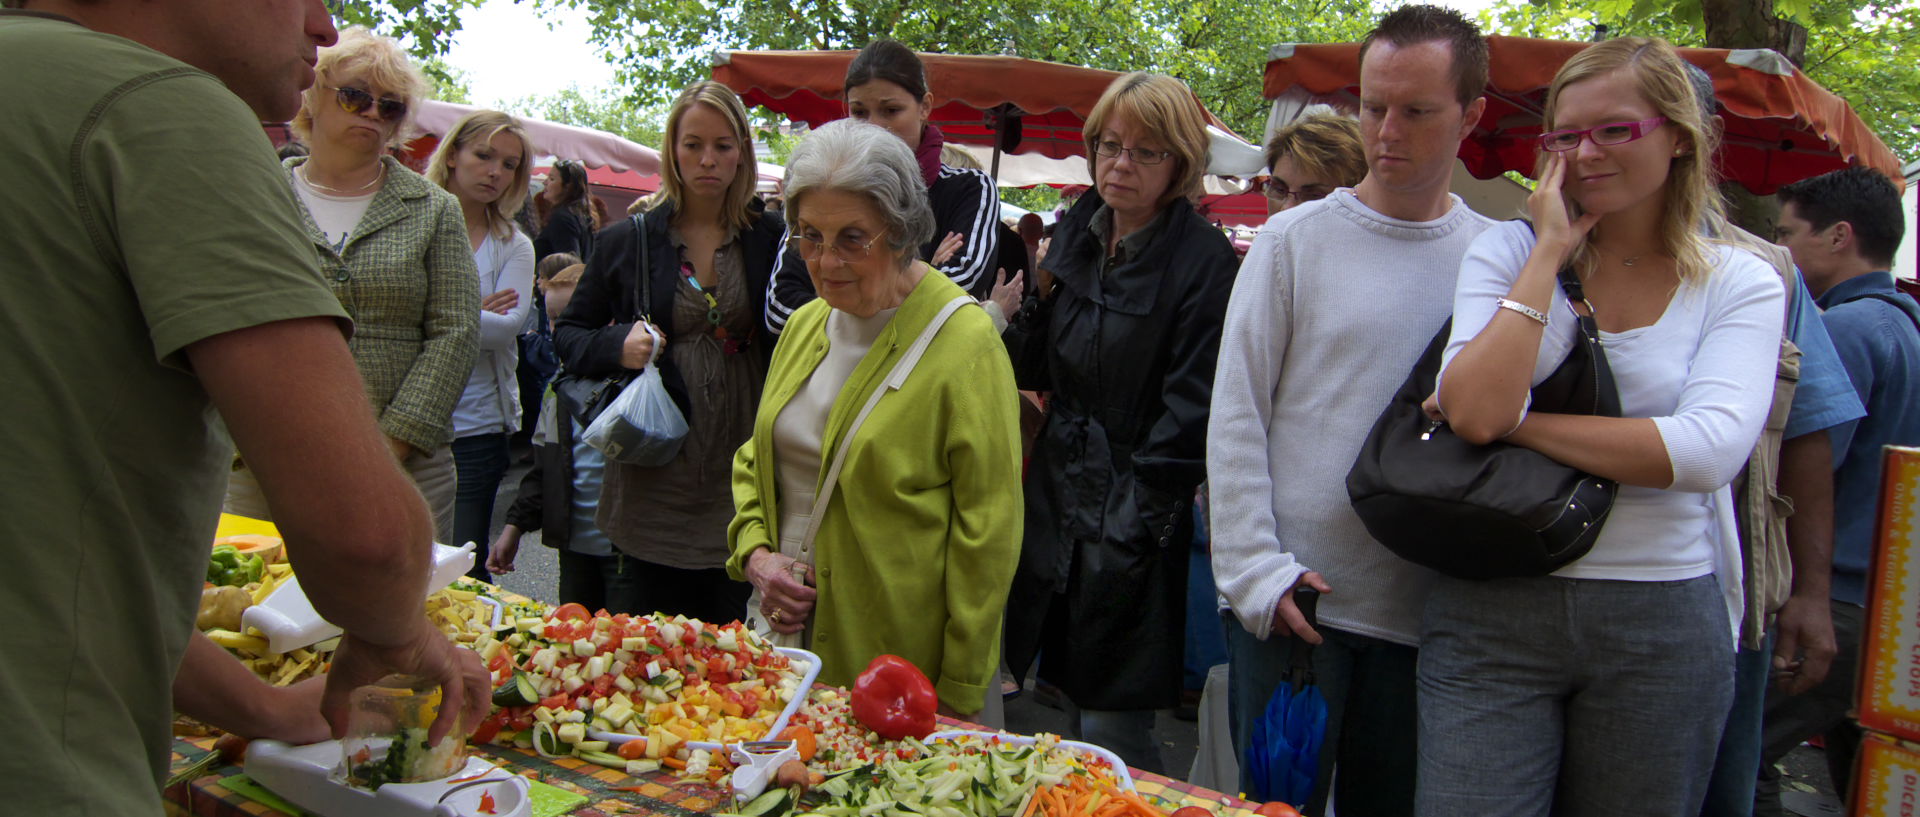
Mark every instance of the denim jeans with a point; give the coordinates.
(480, 460)
(1571, 697)
(1368, 684)
(600, 582)
(1730, 788)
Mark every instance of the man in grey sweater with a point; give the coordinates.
(1335, 302)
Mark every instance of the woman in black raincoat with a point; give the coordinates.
(1124, 336)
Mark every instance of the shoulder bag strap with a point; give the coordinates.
(643, 286)
(1606, 394)
(895, 379)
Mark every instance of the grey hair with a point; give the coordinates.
(865, 160)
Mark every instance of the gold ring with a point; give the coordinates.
(774, 616)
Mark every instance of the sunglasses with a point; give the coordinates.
(356, 101)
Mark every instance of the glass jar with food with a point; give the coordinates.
(386, 738)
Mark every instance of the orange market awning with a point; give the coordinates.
(1051, 99)
(1780, 125)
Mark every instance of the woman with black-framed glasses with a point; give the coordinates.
(394, 248)
(1315, 154)
(1123, 333)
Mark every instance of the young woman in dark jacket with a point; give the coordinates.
(887, 86)
(569, 226)
(708, 250)
(1124, 335)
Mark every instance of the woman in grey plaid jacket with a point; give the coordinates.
(393, 247)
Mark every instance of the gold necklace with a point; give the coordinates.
(379, 177)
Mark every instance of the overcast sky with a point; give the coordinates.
(509, 52)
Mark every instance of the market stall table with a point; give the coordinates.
(597, 791)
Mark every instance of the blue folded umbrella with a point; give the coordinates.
(1283, 752)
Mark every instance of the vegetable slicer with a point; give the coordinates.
(311, 777)
(755, 763)
(289, 622)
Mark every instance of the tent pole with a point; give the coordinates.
(996, 164)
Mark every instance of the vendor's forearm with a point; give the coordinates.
(1628, 450)
(1806, 478)
(214, 687)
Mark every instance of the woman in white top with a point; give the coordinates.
(1602, 688)
(484, 160)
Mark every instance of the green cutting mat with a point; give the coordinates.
(548, 801)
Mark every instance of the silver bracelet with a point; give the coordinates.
(1508, 303)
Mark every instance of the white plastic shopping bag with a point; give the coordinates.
(641, 426)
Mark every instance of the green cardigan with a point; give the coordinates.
(919, 543)
(407, 279)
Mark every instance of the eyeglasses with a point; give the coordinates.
(357, 100)
(1140, 156)
(1615, 133)
(1277, 193)
(848, 248)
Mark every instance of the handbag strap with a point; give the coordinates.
(643, 286)
(894, 380)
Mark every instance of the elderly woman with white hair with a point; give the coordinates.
(891, 393)
(394, 249)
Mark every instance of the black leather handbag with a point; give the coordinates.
(1485, 511)
(584, 398)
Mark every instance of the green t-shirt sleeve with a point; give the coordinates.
(179, 184)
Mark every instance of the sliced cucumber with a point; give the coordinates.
(517, 692)
(773, 803)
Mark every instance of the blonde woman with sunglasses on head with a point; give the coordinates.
(1602, 688)
(394, 249)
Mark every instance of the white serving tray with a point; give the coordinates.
(309, 777)
(288, 619)
(808, 660)
(1119, 766)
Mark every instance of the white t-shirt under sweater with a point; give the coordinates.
(798, 430)
(1703, 372)
(336, 216)
(490, 403)
(1332, 307)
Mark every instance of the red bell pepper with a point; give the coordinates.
(895, 699)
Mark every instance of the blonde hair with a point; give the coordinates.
(378, 60)
(1169, 113)
(957, 156)
(735, 209)
(1324, 143)
(1689, 196)
(479, 128)
(566, 277)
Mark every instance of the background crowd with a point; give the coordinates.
(861, 472)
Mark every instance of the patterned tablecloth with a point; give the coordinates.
(658, 794)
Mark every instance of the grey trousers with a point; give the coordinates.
(432, 473)
(1571, 697)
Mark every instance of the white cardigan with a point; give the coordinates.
(491, 401)
(1703, 372)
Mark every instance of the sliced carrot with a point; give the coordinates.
(673, 763)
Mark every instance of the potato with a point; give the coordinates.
(220, 608)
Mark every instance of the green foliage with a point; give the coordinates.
(426, 26)
(449, 83)
(1859, 49)
(1040, 199)
(645, 124)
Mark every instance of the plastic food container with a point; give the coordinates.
(386, 738)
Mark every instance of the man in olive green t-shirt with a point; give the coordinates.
(157, 271)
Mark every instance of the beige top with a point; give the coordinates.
(798, 430)
(677, 514)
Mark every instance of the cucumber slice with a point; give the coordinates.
(773, 803)
(517, 692)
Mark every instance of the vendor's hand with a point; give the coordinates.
(501, 302)
(1287, 618)
(1008, 293)
(293, 714)
(786, 594)
(1556, 229)
(400, 449)
(948, 246)
(1804, 648)
(637, 351)
(501, 553)
(464, 684)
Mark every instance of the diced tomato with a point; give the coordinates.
(622, 619)
(489, 728)
(689, 637)
(602, 613)
(633, 749)
(554, 701)
(603, 686)
(500, 661)
(520, 723)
